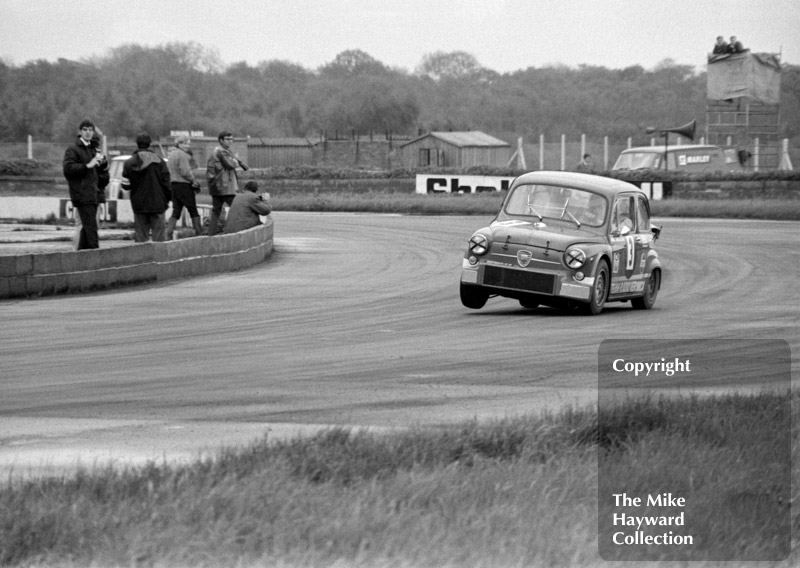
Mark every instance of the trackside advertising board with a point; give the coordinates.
(461, 184)
(427, 184)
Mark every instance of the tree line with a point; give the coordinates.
(185, 86)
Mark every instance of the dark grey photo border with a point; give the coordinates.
(679, 482)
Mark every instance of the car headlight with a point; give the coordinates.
(574, 258)
(478, 244)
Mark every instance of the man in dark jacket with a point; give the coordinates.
(146, 176)
(83, 166)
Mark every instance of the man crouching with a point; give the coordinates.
(146, 176)
(246, 209)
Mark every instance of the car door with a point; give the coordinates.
(623, 244)
(642, 242)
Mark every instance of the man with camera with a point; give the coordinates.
(85, 166)
(246, 209)
(221, 176)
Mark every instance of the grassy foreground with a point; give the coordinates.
(517, 492)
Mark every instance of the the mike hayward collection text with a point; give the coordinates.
(638, 529)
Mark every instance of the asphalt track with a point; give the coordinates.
(355, 320)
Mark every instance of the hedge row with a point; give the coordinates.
(24, 167)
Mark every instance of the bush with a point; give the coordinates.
(23, 167)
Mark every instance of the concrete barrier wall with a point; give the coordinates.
(86, 270)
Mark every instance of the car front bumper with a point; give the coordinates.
(506, 280)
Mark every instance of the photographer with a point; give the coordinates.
(86, 168)
(246, 209)
(221, 175)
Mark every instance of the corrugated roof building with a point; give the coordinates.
(455, 150)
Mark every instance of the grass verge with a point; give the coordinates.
(489, 203)
(516, 492)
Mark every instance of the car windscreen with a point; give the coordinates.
(637, 160)
(555, 202)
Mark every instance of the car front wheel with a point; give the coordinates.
(650, 292)
(597, 301)
(473, 296)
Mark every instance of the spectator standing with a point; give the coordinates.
(84, 166)
(246, 209)
(146, 176)
(720, 46)
(222, 179)
(184, 185)
(586, 165)
(735, 46)
(102, 182)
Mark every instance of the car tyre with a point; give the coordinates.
(599, 295)
(529, 304)
(646, 301)
(473, 296)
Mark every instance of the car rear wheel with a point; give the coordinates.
(650, 292)
(597, 301)
(473, 296)
(529, 304)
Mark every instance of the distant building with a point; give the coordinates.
(743, 106)
(455, 150)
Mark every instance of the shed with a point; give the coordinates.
(273, 152)
(455, 150)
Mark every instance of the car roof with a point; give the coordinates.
(597, 184)
(674, 148)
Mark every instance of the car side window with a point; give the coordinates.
(642, 215)
(624, 217)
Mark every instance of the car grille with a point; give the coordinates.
(519, 279)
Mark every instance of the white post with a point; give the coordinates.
(30, 147)
(583, 145)
(541, 151)
(755, 154)
(786, 160)
(105, 145)
(729, 141)
(521, 154)
(605, 152)
(630, 142)
(563, 152)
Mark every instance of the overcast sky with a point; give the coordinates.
(504, 35)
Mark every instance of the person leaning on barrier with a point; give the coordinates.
(246, 209)
(146, 176)
(184, 185)
(735, 46)
(84, 166)
(720, 47)
(221, 176)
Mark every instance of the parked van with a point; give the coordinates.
(690, 158)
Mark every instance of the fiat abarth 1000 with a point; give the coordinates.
(565, 240)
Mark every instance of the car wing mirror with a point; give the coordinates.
(656, 231)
